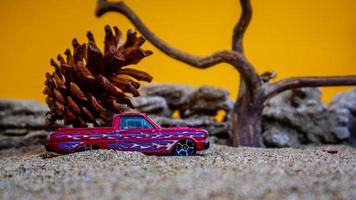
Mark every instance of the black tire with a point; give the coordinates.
(185, 148)
(88, 147)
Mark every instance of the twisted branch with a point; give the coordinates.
(199, 62)
(236, 59)
(241, 26)
(237, 38)
(299, 82)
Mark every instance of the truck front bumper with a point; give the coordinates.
(206, 144)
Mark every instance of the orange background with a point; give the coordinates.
(294, 37)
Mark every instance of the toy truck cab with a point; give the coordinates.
(130, 132)
(133, 121)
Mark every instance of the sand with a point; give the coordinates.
(220, 173)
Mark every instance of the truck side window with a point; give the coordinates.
(128, 122)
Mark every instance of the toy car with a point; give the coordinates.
(130, 132)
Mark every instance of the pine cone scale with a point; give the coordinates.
(71, 104)
(96, 105)
(75, 90)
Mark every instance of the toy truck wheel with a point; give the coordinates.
(185, 148)
(88, 147)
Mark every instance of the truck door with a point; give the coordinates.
(135, 134)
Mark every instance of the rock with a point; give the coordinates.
(21, 107)
(218, 129)
(174, 94)
(22, 122)
(345, 103)
(275, 136)
(6, 143)
(301, 112)
(31, 138)
(152, 105)
(14, 132)
(207, 101)
(22, 114)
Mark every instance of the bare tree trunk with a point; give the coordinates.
(247, 121)
(239, 112)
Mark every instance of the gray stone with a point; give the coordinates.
(275, 136)
(22, 114)
(345, 104)
(207, 100)
(22, 122)
(21, 107)
(14, 132)
(31, 138)
(174, 94)
(301, 111)
(152, 105)
(6, 143)
(345, 101)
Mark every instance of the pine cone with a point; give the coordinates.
(89, 86)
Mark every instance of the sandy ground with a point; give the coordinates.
(219, 173)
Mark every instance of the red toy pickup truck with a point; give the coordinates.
(130, 132)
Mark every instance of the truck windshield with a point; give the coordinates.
(130, 122)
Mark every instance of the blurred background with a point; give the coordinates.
(294, 38)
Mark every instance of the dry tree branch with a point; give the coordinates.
(241, 26)
(272, 89)
(237, 45)
(237, 39)
(234, 58)
(199, 62)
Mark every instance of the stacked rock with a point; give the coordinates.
(290, 119)
(299, 117)
(345, 105)
(22, 123)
